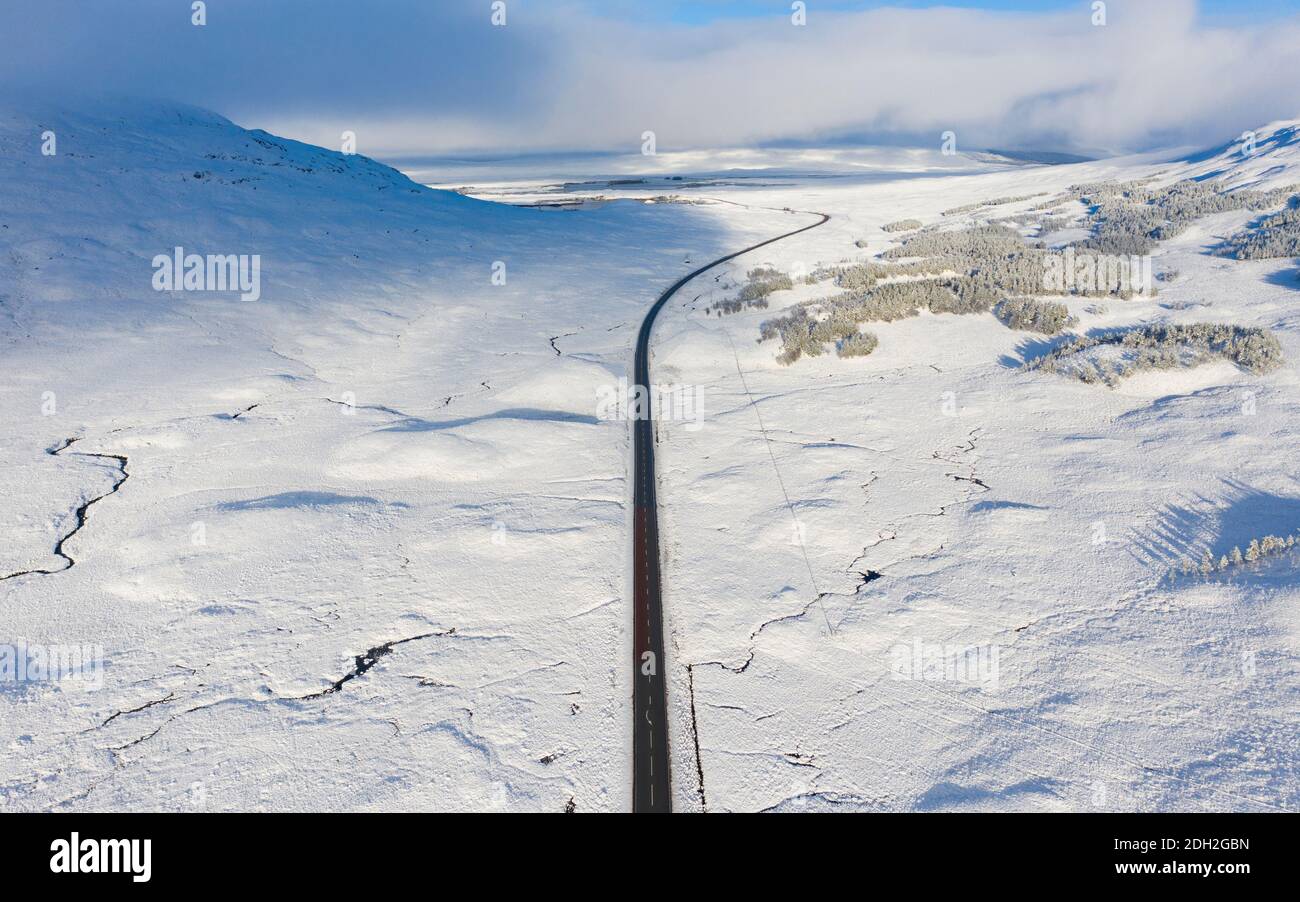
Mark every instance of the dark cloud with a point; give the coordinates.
(261, 57)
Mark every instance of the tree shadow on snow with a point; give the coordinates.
(1186, 530)
(1030, 349)
(1287, 278)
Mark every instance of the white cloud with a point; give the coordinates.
(561, 76)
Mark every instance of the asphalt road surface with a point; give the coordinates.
(651, 786)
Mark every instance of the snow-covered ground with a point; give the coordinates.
(933, 502)
(387, 445)
(371, 547)
(560, 178)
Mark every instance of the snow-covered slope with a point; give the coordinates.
(387, 450)
(362, 543)
(836, 514)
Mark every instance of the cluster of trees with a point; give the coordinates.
(1275, 236)
(995, 202)
(860, 276)
(997, 259)
(903, 225)
(734, 305)
(1030, 315)
(796, 330)
(864, 276)
(957, 271)
(805, 333)
(1052, 203)
(992, 256)
(859, 344)
(822, 272)
(1049, 224)
(998, 264)
(1161, 347)
(991, 265)
(1257, 550)
(807, 328)
(976, 243)
(1131, 218)
(763, 280)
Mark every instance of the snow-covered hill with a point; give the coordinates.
(1006, 534)
(389, 444)
(362, 543)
